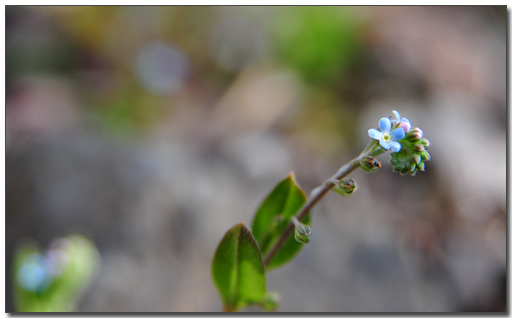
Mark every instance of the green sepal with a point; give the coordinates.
(400, 160)
(237, 269)
(338, 190)
(272, 217)
(425, 155)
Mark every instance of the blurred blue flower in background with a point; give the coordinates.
(162, 68)
(34, 275)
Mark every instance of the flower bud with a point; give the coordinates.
(415, 134)
(425, 142)
(425, 155)
(346, 186)
(405, 125)
(421, 165)
(416, 158)
(302, 233)
(418, 147)
(369, 164)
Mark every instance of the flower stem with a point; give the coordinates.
(315, 196)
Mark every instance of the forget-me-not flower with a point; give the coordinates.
(387, 138)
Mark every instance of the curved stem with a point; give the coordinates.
(315, 196)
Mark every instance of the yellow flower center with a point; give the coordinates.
(386, 137)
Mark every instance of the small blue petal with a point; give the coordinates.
(397, 134)
(385, 144)
(375, 134)
(395, 145)
(406, 120)
(385, 124)
(397, 115)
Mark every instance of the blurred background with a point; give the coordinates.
(153, 130)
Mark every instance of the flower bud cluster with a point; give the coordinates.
(413, 154)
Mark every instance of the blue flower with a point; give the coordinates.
(387, 138)
(33, 274)
(404, 123)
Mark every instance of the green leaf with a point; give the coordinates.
(237, 269)
(274, 213)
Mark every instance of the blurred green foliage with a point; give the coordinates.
(32, 46)
(129, 111)
(54, 281)
(96, 48)
(321, 43)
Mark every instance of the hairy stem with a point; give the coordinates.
(317, 194)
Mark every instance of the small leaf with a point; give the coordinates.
(237, 269)
(274, 213)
